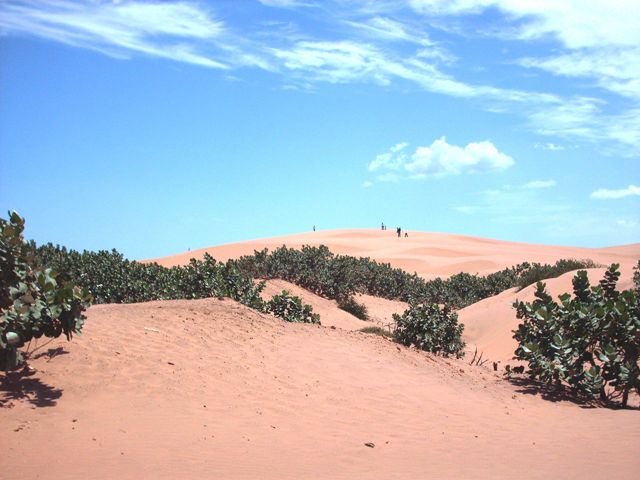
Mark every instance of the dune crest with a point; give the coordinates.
(428, 254)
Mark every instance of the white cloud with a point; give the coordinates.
(383, 44)
(335, 62)
(540, 184)
(615, 69)
(367, 184)
(549, 146)
(575, 23)
(394, 159)
(441, 159)
(119, 29)
(606, 194)
(467, 209)
(626, 223)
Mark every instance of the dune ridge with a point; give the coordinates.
(209, 388)
(428, 254)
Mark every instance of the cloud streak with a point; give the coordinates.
(380, 43)
(167, 30)
(607, 194)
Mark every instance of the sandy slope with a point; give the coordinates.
(380, 310)
(428, 254)
(210, 389)
(490, 322)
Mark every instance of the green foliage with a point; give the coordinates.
(430, 328)
(590, 342)
(338, 277)
(291, 309)
(32, 302)
(536, 272)
(113, 279)
(356, 309)
(383, 332)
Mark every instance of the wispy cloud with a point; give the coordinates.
(441, 159)
(383, 43)
(607, 194)
(549, 146)
(539, 184)
(120, 29)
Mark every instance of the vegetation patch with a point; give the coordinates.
(33, 302)
(430, 328)
(383, 332)
(356, 309)
(589, 342)
(536, 272)
(291, 309)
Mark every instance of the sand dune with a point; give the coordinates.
(428, 254)
(211, 389)
(489, 324)
(380, 310)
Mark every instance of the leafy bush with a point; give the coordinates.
(590, 342)
(356, 309)
(32, 302)
(291, 309)
(536, 272)
(383, 332)
(430, 328)
(113, 279)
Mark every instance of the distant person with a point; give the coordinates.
(382, 227)
(314, 228)
(406, 234)
(399, 231)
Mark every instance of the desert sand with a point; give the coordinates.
(428, 254)
(211, 389)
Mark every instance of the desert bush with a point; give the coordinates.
(32, 303)
(383, 332)
(430, 328)
(113, 279)
(356, 309)
(291, 309)
(536, 272)
(590, 342)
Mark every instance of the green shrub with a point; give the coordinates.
(536, 272)
(291, 309)
(383, 332)
(430, 328)
(113, 279)
(32, 302)
(590, 342)
(356, 309)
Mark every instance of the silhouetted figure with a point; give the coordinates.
(406, 234)
(399, 231)
(314, 228)
(382, 226)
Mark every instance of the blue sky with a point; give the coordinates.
(154, 127)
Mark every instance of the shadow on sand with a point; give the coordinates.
(551, 393)
(22, 386)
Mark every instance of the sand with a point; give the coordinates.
(203, 389)
(429, 254)
(211, 389)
